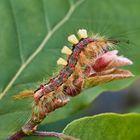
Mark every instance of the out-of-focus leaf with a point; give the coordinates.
(40, 28)
(135, 109)
(106, 127)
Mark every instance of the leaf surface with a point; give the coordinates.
(106, 127)
(31, 36)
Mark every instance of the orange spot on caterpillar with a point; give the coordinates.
(24, 94)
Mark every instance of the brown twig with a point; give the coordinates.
(19, 135)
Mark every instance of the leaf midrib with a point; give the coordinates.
(41, 46)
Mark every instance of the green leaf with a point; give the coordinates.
(31, 36)
(135, 109)
(106, 127)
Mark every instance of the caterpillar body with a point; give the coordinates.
(66, 71)
(89, 63)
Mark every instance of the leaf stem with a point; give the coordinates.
(53, 134)
(50, 134)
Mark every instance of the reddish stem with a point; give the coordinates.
(17, 136)
(49, 134)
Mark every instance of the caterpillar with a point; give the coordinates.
(91, 61)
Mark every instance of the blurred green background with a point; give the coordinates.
(27, 25)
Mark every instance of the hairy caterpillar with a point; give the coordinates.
(89, 63)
